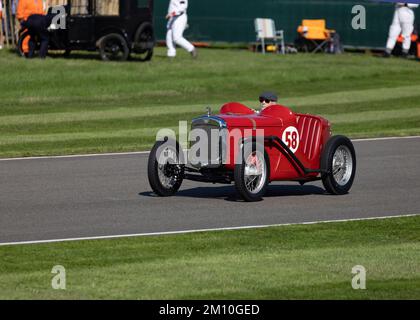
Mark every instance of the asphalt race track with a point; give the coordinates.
(42, 199)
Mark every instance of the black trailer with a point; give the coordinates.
(127, 28)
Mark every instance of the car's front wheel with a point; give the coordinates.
(338, 162)
(165, 169)
(252, 172)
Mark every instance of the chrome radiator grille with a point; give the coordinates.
(209, 149)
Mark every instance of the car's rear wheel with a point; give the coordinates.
(338, 162)
(252, 172)
(165, 168)
(113, 47)
(144, 41)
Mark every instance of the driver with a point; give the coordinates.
(268, 99)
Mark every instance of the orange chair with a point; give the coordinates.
(316, 32)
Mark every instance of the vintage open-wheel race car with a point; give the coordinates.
(253, 149)
(115, 28)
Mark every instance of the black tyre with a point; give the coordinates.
(338, 160)
(113, 47)
(165, 169)
(144, 41)
(252, 173)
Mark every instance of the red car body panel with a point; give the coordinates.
(313, 133)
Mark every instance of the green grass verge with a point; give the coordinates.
(78, 105)
(290, 262)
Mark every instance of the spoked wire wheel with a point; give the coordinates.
(255, 172)
(342, 166)
(165, 169)
(251, 173)
(169, 169)
(338, 162)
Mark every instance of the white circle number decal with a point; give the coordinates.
(291, 138)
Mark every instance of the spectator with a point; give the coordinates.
(402, 23)
(177, 22)
(27, 8)
(31, 16)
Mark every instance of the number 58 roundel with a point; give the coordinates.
(291, 138)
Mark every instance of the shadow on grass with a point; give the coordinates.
(228, 193)
(85, 55)
(93, 55)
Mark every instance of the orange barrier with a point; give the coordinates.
(414, 38)
(418, 49)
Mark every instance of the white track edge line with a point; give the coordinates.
(385, 138)
(91, 155)
(199, 230)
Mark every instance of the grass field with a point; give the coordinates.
(82, 105)
(291, 262)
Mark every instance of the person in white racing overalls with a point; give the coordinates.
(177, 22)
(403, 23)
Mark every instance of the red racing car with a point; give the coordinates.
(253, 149)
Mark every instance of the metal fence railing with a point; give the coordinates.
(9, 25)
